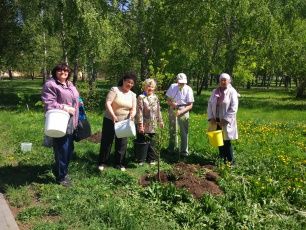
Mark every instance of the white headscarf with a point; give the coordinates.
(225, 76)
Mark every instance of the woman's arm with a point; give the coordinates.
(210, 115)
(133, 109)
(108, 104)
(139, 120)
(232, 108)
(159, 115)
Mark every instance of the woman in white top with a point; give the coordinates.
(120, 105)
(222, 109)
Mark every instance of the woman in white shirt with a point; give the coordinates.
(222, 109)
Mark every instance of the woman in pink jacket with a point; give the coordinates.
(222, 109)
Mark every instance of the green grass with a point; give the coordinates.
(267, 189)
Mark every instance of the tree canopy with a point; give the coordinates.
(253, 40)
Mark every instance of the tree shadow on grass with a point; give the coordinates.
(15, 176)
(272, 105)
(86, 163)
(193, 158)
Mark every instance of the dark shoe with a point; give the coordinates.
(184, 154)
(233, 165)
(170, 150)
(66, 182)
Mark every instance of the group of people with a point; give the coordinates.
(121, 103)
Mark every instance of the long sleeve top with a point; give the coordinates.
(226, 109)
(55, 95)
(148, 112)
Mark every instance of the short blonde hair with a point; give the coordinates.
(148, 82)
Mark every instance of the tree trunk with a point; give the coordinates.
(10, 72)
(75, 71)
(63, 38)
(144, 66)
(44, 74)
(276, 79)
(211, 79)
(263, 82)
(287, 81)
(268, 82)
(301, 88)
(280, 82)
(84, 73)
(204, 83)
(93, 75)
(248, 85)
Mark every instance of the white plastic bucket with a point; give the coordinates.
(125, 128)
(26, 147)
(56, 122)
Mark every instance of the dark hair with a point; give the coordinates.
(61, 66)
(127, 76)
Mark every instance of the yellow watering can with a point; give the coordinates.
(215, 138)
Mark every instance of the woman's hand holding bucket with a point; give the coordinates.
(223, 122)
(69, 109)
(140, 128)
(115, 119)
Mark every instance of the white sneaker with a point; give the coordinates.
(153, 163)
(122, 169)
(101, 167)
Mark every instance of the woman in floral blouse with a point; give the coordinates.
(148, 117)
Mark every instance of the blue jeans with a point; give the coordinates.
(63, 149)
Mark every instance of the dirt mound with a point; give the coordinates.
(95, 138)
(194, 178)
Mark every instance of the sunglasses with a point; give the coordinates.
(60, 70)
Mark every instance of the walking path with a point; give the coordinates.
(7, 220)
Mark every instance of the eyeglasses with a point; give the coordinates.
(60, 70)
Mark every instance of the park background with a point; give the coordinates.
(261, 44)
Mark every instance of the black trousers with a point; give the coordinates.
(226, 151)
(108, 135)
(141, 138)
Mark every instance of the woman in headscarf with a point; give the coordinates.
(222, 109)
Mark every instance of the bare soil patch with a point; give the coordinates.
(95, 138)
(197, 179)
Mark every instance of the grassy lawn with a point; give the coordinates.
(267, 189)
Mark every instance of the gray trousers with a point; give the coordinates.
(183, 123)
